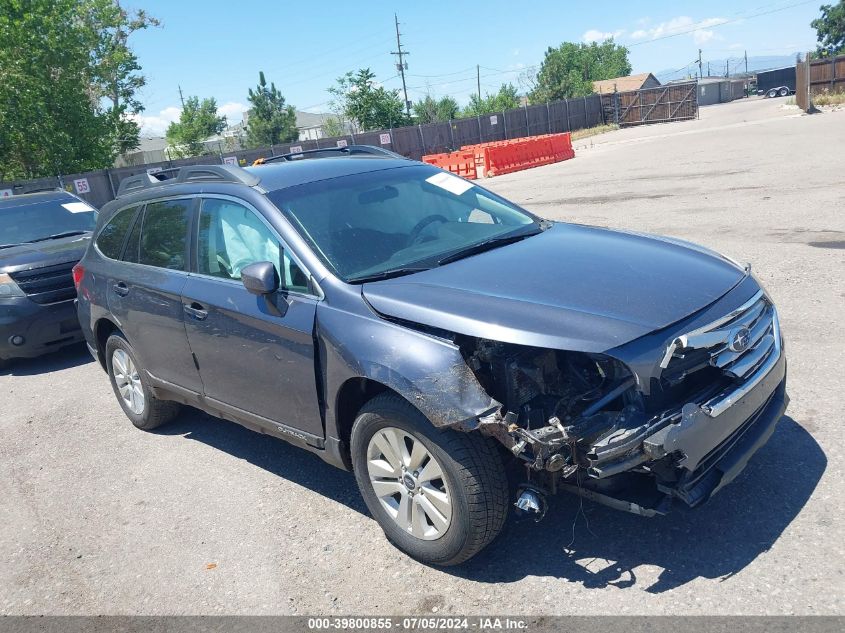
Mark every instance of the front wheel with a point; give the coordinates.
(772, 93)
(439, 495)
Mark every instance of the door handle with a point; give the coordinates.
(120, 288)
(196, 310)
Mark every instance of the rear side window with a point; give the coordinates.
(164, 234)
(110, 240)
(130, 253)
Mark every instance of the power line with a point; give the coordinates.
(458, 72)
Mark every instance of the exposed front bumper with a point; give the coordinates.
(42, 328)
(698, 452)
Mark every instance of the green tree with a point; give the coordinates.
(197, 122)
(570, 69)
(116, 72)
(830, 29)
(54, 114)
(371, 106)
(431, 110)
(271, 120)
(506, 98)
(334, 126)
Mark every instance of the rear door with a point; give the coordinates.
(145, 291)
(255, 354)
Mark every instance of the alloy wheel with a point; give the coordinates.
(128, 381)
(409, 483)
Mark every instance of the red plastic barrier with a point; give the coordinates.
(504, 157)
(461, 163)
(526, 153)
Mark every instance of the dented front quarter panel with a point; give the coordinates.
(426, 370)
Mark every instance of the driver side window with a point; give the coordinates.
(231, 236)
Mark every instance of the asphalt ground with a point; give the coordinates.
(205, 517)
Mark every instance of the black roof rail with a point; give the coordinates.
(350, 150)
(189, 173)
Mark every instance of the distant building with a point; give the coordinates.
(624, 84)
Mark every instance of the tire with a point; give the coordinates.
(472, 485)
(772, 93)
(783, 92)
(139, 404)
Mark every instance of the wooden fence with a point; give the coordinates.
(827, 75)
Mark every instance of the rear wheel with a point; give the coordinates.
(439, 495)
(132, 389)
(783, 92)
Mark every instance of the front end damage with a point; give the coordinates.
(679, 429)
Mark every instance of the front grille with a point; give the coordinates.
(715, 345)
(49, 284)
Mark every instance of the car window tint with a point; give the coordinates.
(164, 234)
(130, 253)
(110, 239)
(230, 236)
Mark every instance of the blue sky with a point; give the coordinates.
(215, 48)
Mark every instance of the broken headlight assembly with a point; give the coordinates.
(555, 404)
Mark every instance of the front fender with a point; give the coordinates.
(426, 370)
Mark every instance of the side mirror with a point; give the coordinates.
(260, 278)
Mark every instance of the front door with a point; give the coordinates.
(254, 353)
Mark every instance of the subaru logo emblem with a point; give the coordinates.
(739, 339)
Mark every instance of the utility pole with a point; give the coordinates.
(478, 80)
(727, 68)
(402, 65)
(746, 62)
(699, 64)
(708, 69)
(181, 98)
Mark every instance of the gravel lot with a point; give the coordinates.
(207, 517)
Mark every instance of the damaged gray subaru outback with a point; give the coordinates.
(460, 355)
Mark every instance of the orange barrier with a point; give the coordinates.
(503, 157)
(461, 163)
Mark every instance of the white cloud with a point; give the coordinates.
(156, 125)
(233, 111)
(701, 37)
(515, 52)
(594, 35)
(682, 24)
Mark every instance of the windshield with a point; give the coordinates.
(23, 222)
(398, 220)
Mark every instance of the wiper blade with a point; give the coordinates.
(57, 236)
(388, 274)
(486, 245)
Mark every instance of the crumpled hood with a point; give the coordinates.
(571, 287)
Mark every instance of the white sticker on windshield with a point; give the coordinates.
(450, 183)
(78, 207)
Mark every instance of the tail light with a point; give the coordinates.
(78, 273)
